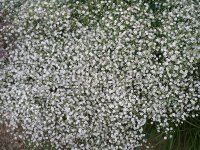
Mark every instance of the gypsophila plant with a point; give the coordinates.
(9, 8)
(90, 74)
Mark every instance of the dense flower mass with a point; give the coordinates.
(90, 74)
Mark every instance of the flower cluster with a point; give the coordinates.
(90, 74)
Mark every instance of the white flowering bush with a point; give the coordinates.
(90, 75)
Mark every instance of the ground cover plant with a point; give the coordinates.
(101, 74)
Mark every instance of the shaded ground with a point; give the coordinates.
(7, 141)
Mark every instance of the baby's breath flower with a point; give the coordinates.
(89, 75)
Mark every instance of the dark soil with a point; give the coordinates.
(7, 141)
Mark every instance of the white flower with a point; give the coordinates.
(79, 72)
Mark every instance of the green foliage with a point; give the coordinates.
(31, 146)
(184, 137)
